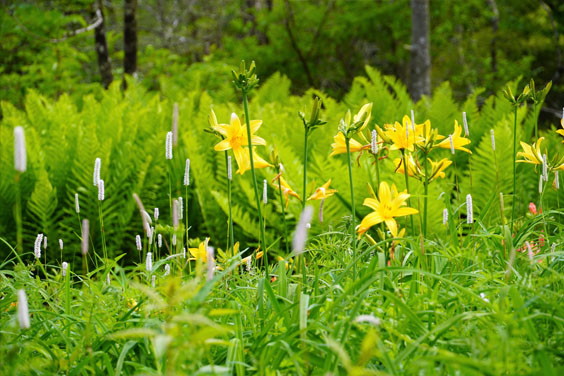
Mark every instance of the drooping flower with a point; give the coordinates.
(323, 192)
(389, 204)
(245, 163)
(458, 142)
(531, 153)
(287, 191)
(340, 147)
(200, 253)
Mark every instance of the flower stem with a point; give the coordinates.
(19, 227)
(407, 185)
(257, 197)
(426, 187)
(514, 168)
(230, 231)
(305, 169)
(347, 140)
(283, 212)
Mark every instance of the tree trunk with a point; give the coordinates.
(420, 64)
(130, 36)
(102, 49)
(493, 44)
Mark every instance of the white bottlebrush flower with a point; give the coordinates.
(37, 247)
(469, 209)
(156, 214)
(138, 242)
(374, 142)
(153, 279)
(108, 280)
(465, 122)
(492, 135)
(23, 310)
(187, 173)
(175, 213)
(85, 235)
(146, 216)
(150, 235)
(180, 207)
(413, 121)
(265, 192)
(97, 166)
(65, 266)
(406, 131)
(149, 262)
(169, 145)
(45, 243)
(210, 262)
(229, 170)
(300, 235)
(174, 240)
(76, 204)
(540, 183)
(61, 244)
(175, 124)
(248, 263)
(451, 144)
(556, 180)
(167, 270)
(159, 240)
(445, 216)
(544, 167)
(20, 155)
(529, 251)
(100, 190)
(184, 252)
(369, 319)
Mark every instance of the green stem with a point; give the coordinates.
(186, 214)
(19, 227)
(347, 141)
(305, 169)
(407, 185)
(104, 250)
(257, 196)
(514, 168)
(231, 241)
(426, 187)
(283, 213)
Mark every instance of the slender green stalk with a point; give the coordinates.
(407, 185)
(186, 213)
(305, 169)
(103, 232)
(353, 230)
(257, 196)
(231, 241)
(426, 187)
(283, 212)
(18, 215)
(513, 202)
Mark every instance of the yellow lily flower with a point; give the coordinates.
(200, 253)
(457, 141)
(236, 138)
(340, 146)
(365, 113)
(531, 153)
(287, 191)
(437, 168)
(402, 136)
(415, 170)
(323, 192)
(561, 131)
(245, 161)
(412, 168)
(387, 206)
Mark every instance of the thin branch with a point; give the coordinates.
(290, 18)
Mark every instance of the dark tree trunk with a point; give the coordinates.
(102, 49)
(495, 27)
(420, 64)
(130, 36)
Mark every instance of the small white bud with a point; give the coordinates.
(97, 166)
(374, 142)
(445, 216)
(65, 267)
(465, 122)
(156, 214)
(174, 239)
(153, 279)
(469, 209)
(300, 235)
(138, 242)
(180, 207)
(85, 235)
(23, 310)
(45, 243)
(100, 190)
(493, 139)
(184, 252)
(556, 180)
(451, 144)
(169, 145)
(229, 170)
(210, 263)
(540, 183)
(552, 250)
(159, 240)
(61, 244)
(37, 247)
(149, 262)
(281, 167)
(406, 131)
(265, 192)
(20, 154)
(187, 173)
(544, 167)
(167, 270)
(76, 204)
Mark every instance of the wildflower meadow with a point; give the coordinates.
(184, 231)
